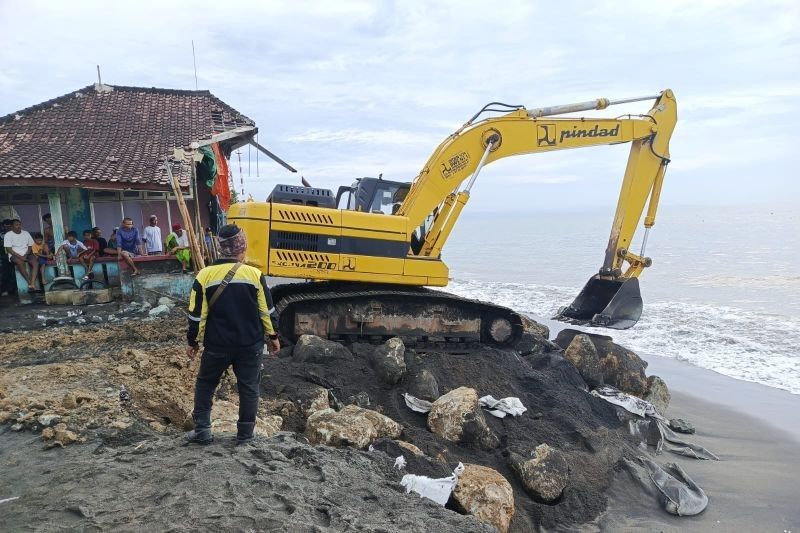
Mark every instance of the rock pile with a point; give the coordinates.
(548, 467)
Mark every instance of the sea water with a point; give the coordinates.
(723, 292)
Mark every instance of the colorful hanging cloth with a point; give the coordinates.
(221, 188)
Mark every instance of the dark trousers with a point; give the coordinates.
(247, 368)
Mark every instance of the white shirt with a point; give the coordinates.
(19, 242)
(182, 239)
(152, 239)
(74, 249)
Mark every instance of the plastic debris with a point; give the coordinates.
(6, 500)
(400, 462)
(678, 494)
(653, 429)
(437, 490)
(632, 404)
(500, 408)
(417, 404)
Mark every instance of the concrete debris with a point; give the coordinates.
(423, 385)
(485, 494)
(312, 349)
(680, 425)
(352, 426)
(457, 417)
(388, 360)
(657, 393)
(410, 447)
(582, 353)
(159, 310)
(621, 368)
(545, 475)
(49, 419)
(164, 300)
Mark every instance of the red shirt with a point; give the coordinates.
(92, 244)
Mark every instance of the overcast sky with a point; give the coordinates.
(343, 89)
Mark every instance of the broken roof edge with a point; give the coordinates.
(98, 88)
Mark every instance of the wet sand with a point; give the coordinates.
(752, 428)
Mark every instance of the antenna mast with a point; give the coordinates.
(194, 61)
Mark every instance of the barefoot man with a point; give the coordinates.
(17, 244)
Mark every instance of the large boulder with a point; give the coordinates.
(313, 349)
(582, 353)
(457, 417)
(486, 495)
(621, 367)
(545, 475)
(658, 394)
(388, 360)
(423, 385)
(352, 426)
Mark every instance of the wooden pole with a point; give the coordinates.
(201, 231)
(197, 256)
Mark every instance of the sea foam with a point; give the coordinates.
(740, 343)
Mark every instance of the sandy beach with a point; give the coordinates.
(752, 428)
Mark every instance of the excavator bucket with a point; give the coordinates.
(615, 304)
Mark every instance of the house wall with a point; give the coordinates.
(78, 215)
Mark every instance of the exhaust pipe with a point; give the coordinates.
(608, 303)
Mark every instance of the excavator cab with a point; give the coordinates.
(372, 195)
(610, 303)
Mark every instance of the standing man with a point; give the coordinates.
(152, 237)
(17, 244)
(8, 285)
(230, 310)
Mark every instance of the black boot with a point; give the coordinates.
(244, 432)
(201, 434)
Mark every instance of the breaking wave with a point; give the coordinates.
(744, 344)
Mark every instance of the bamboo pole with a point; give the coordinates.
(197, 256)
(201, 233)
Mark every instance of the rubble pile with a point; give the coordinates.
(547, 464)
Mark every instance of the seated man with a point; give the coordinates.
(178, 245)
(129, 244)
(17, 244)
(97, 234)
(77, 252)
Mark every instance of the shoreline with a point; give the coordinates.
(752, 428)
(776, 408)
(754, 486)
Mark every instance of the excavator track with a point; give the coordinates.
(350, 312)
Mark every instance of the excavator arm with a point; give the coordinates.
(611, 298)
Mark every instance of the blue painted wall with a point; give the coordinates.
(80, 213)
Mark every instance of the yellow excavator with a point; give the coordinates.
(375, 245)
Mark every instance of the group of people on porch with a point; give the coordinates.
(28, 252)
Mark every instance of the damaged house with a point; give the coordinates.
(98, 154)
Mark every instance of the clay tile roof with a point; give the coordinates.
(111, 134)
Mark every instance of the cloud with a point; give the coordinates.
(346, 88)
